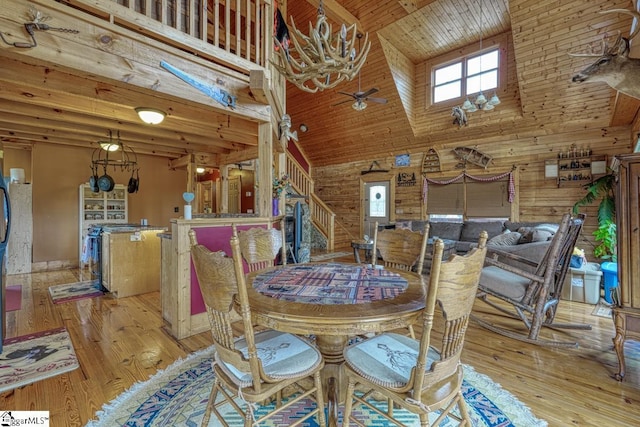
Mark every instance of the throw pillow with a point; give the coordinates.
(505, 239)
(526, 235)
(551, 228)
(539, 235)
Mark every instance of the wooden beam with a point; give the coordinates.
(115, 54)
(182, 162)
(625, 110)
(337, 13)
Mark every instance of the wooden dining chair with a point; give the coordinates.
(401, 249)
(422, 375)
(530, 290)
(260, 246)
(257, 366)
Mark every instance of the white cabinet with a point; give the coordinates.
(100, 208)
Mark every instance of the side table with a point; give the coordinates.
(362, 244)
(627, 323)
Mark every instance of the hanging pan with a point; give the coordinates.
(105, 182)
(93, 179)
(132, 187)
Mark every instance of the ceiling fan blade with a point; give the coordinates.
(342, 102)
(369, 92)
(353, 95)
(378, 100)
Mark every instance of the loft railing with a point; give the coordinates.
(237, 33)
(321, 215)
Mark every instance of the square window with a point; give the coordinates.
(470, 75)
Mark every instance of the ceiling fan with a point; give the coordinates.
(360, 96)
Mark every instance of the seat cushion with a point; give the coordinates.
(472, 229)
(386, 359)
(283, 356)
(503, 282)
(445, 230)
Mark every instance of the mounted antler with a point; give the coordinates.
(614, 66)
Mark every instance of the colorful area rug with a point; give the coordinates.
(75, 291)
(178, 396)
(13, 295)
(34, 357)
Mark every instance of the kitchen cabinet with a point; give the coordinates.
(131, 261)
(626, 313)
(100, 208)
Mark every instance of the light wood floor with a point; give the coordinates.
(121, 341)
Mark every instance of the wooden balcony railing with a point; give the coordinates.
(237, 33)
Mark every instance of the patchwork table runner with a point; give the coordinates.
(330, 283)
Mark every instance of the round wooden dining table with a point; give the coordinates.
(334, 301)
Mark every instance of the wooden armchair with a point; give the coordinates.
(420, 375)
(260, 246)
(530, 290)
(257, 366)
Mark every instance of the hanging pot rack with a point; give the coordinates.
(124, 157)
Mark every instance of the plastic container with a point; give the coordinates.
(583, 284)
(610, 270)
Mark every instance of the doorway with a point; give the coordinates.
(377, 195)
(234, 194)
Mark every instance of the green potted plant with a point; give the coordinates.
(602, 189)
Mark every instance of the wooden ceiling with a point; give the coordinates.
(43, 103)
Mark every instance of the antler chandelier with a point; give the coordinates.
(322, 59)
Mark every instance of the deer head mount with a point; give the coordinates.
(613, 65)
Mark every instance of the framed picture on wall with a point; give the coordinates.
(402, 160)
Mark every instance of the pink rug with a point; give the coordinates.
(13, 297)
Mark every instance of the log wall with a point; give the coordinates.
(539, 198)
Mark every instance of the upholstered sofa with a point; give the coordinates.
(527, 239)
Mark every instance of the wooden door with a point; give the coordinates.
(234, 194)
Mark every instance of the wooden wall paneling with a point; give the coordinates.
(538, 199)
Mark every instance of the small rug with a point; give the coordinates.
(331, 255)
(75, 291)
(34, 357)
(178, 396)
(13, 297)
(602, 309)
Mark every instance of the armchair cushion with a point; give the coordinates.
(504, 282)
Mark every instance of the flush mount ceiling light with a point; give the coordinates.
(150, 116)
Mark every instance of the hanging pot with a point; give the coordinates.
(93, 180)
(132, 187)
(105, 182)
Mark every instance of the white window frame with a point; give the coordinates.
(465, 76)
(498, 42)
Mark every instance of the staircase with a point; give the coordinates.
(322, 217)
